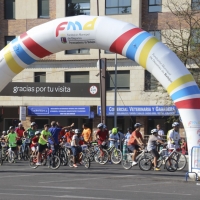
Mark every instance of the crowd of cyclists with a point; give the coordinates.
(132, 142)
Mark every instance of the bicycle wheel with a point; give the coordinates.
(145, 164)
(181, 159)
(26, 154)
(11, 157)
(33, 161)
(55, 162)
(1, 157)
(86, 162)
(104, 159)
(171, 165)
(71, 161)
(116, 156)
(63, 157)
(126, 163)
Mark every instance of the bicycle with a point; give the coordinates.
(127, 158)
(47, 156)
(24, 152)
(169, 162)
(62, 155)
(82, 156)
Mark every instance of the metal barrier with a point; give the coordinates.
(195, 162)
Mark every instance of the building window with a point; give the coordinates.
(195, 41)
(40, 77)
(8, 39)
(76, 77)
(196, 74)
(108, 52)
(123, 80)
(9, 9)
(151, 83)
(155, 5)
(77, 7)
(118, 7)
(43, 8)
(78, 51)
(156, 34)
(195, 4)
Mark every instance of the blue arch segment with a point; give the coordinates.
(21, 53)
(185, 92)
(131, 51)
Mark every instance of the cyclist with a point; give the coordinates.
(30, 132)
(42, 143)
(152, 146)
(75, 147)
(174, 137)
(12, 139)
(128, 134)
(55, 130)
(135, 141)
(114, 138)
(86, 134)
(3, 135)
(102, 137)
(68, 135)
(34, 144)
(19, 130)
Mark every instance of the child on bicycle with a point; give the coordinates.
(34, 144)
(152, 147)
(12, 139)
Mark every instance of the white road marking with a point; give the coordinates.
(64, 196)
(86, 179)
(111, 190)
(15, 176)
(160, 183)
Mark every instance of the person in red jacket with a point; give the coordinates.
(19, 130)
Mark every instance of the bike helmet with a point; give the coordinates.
(4, 132)
(104, 126)
(20, 124)
(11, 127)
(33, 124)
(37, 132)
(129, 129)
(154, 131)
(137, 125)
(77, 131)
(100, 125)
(114, 131)
(175, 124)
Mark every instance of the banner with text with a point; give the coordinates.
(59, 111)
(140, 110)
(51, 89)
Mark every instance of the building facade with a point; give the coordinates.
(139, 97)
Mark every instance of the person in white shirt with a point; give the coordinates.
(128, 134)
(160, 136)
(174, 136)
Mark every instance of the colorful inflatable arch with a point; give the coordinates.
(119, 37)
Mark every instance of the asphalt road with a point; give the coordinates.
(108, 182)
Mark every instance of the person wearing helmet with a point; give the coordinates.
(68, 135)
(30, 132)
(113, 138)
(135, 142)
(102, 135)
(75, 147)
(174, 137)
(19, 130)
(34, 144)
(152, 146)
(12, 139)
(128, 134)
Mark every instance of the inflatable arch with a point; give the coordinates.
(119, 37)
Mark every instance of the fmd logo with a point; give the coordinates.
(193, 124)
(75, 26)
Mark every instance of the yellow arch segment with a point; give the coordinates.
(180, 81)
(12, 64)
(146, 50)
(90, 25)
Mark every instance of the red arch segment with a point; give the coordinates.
(120, 42)
(34, 47)
(189, 104)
